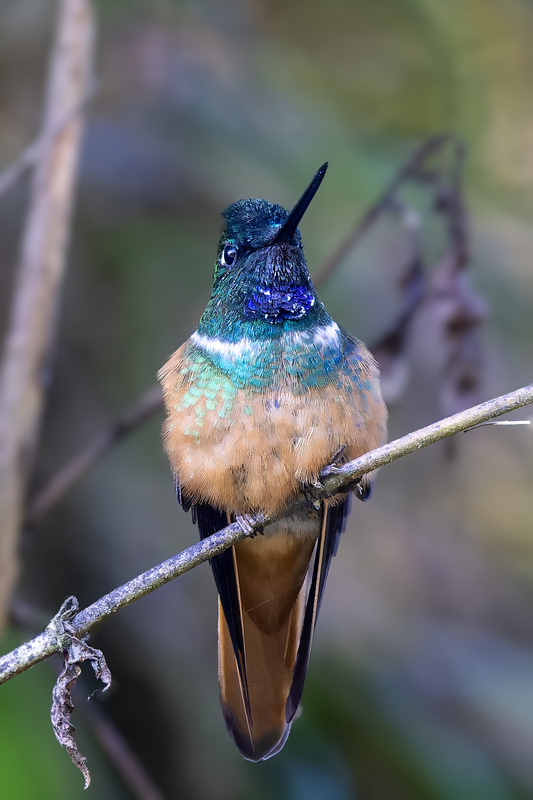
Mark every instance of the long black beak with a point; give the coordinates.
(286, 232)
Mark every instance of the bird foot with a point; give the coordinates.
(363, 488)
(248, 524)
(314, 491)
(338, 457)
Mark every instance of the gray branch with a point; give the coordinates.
(42, 266)
(56, 639)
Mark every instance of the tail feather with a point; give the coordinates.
(270, 572)
(270, 589)
(269, 670)
(280, 598)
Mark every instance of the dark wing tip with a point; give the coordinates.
(327, 544)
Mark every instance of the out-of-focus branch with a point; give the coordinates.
(69, 623)
(60, 483)
(31, 326)
(120, 754)
(34, 151)
(407, 171)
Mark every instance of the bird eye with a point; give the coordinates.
(229, 255)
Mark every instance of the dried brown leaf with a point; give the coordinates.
(76, 653)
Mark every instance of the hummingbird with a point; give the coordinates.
(265, 393)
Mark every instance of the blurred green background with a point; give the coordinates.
(421, 679)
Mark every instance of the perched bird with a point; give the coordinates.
(265, 393)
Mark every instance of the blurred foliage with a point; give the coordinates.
(421, 680)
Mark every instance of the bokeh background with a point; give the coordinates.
(421, 678)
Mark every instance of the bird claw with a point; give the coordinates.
(314, 491)
(247, 524)
(363, 488)
(337, 457)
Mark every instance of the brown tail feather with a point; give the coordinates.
(271, 573)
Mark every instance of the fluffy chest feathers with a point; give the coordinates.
(251, 420)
